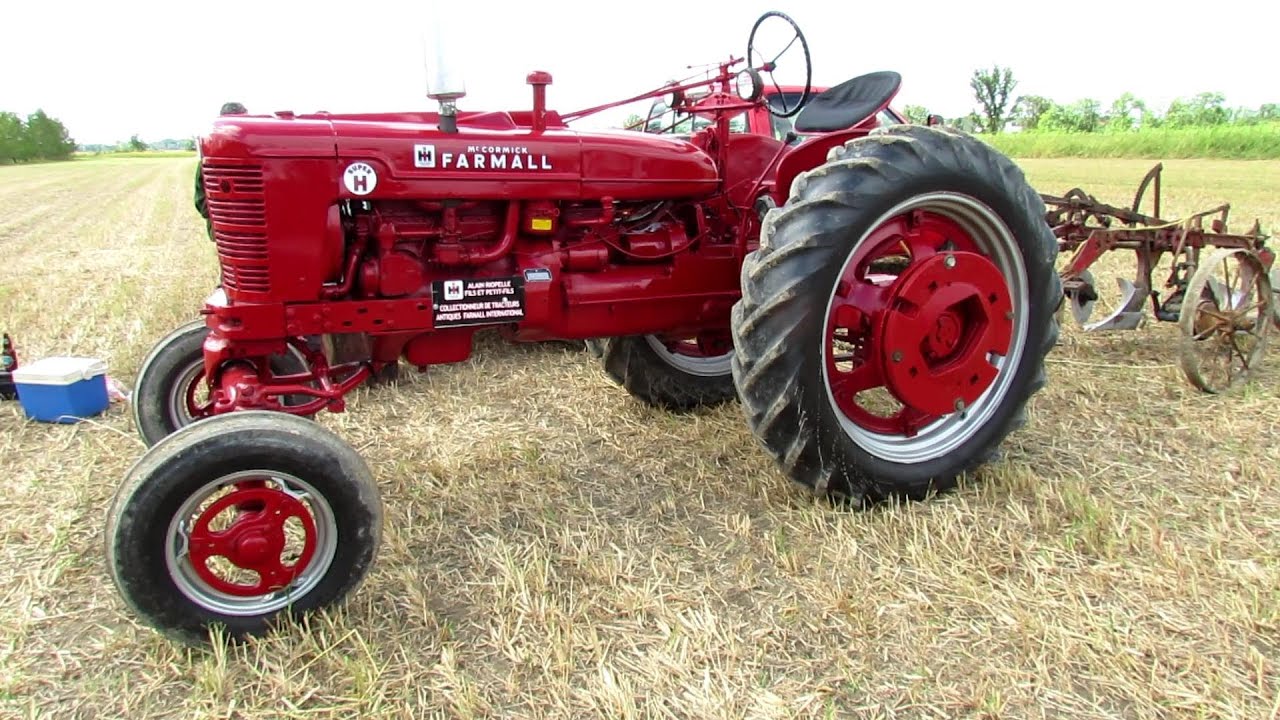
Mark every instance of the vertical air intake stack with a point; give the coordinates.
(445, 83)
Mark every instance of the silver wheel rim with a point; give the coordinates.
(702, 366)
(179, 414)
(200, 592)
(949, 432)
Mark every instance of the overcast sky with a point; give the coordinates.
(162, 69)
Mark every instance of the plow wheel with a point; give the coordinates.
(895, 318)
(238, 519)
(170, 392)
(673, 373)
(1226, 314)
(1275, 295)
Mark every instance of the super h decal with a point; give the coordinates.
(478, 301)
(360, 178)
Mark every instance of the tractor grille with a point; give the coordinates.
(236, 201)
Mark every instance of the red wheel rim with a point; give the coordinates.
(919, 317)
(246, 543)
(254, 540)
(195, 408)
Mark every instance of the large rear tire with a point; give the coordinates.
(895, 318)
(676, 375)
(238, 519)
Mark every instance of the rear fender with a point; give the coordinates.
(809, 154)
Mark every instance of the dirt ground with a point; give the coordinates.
(553, 548)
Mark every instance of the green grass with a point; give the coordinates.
(144, 154)
(1233, 142)
(569, 552)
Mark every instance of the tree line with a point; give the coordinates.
(998, 109)
(38, 137)
(135, 145)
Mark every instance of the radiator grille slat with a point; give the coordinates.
(236, 200)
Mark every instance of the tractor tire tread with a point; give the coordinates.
(156, 483)
(800, 240)
(632, 363)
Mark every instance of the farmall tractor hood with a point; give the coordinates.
(492, 155)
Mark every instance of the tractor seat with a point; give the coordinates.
(849, 103)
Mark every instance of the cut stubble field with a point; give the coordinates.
(554, 548)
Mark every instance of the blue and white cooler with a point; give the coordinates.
(62, 389)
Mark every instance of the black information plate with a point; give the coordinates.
(478, 301)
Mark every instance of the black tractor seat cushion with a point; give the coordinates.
(848, 103)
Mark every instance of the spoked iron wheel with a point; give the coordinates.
(895, 318)
(1275, 295)
(1225, 319)
(238, 519)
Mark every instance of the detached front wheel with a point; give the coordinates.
(895, 318)
(239, 519)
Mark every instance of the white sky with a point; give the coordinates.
(162, 69)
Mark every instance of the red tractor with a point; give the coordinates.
(879, 299)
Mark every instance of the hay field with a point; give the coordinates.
(555, 549)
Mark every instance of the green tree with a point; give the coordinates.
(1126, 113)
(1207, 108)
(970, 123)
(633, 122)
(917, 114)
(136, 145)
(992, 89)
(1081, 116)
(1269, 111)
(1028, 110)
(12, 137)
(48, 138)
(1243, 116)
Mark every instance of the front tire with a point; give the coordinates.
(166, 397)
(895, 318)
(239, 519)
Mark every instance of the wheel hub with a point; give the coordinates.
(251, 550)
(254, 541)
(947, 316)
(945, 336)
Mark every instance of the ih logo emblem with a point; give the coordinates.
(360, 178)
(424, 156)
(452, 289)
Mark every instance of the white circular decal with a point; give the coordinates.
(360, 178)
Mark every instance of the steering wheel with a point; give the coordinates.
(766, 63)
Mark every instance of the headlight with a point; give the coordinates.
(748, 85)
(673, 98)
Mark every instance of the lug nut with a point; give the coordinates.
(959, 405)
(897, 356)
(949, 261)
